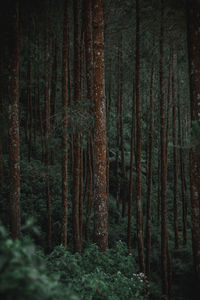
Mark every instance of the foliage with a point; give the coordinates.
(98, 275)
(23, 274)
(94, 275)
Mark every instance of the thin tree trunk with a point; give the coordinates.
(64, 127)
(90, 196)
(77, 97)
(175, 158)
(30, 113)
(130, 202)
(47, 133)
(81, 212)
(54, 95)
(39, 102)
(90, 85)
(164, 234)
(13, 124)
(121, 131)
(150, 172)
(182, 173)
(193, 11)
(138, 147)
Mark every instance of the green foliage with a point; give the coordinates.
(98, 275)
(94, 275)
(23, 274)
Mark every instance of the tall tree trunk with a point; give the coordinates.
(90, 86)
(193, 11)
(100, 199)
(150, 171)
(121, 131)
(13, 123)
(54, 94)
(182, 171)
(138, 147)
(90, 196)
(175, 158)
(38, 100)
(64, 127)
(30, 112)
(1, 125)
(164, 234)
(130, 201)
(47, 133)
(77, 97)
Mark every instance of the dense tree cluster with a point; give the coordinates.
(100, 127)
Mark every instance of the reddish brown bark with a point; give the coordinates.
(150, 172)
(100, 199)
(193, 11)
(90, 196)
(164, 235)
(13, 124)
(81, 212)
(70, 106)
(54, 94)
(175, 157)
(39, 102)
(30, 112)
(130, 202)
(182, 173)
(77, 97)
(64, 125)
(46, 136)
(1, 136)
(90, 86)
(118, 103)
(139, 146)
(168, 109)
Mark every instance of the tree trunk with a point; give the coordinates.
(77, 97)
(150, 171)
(138, 147)
(193, 11)
(130, 202)
(164, 234)
(182, 171)
(175, 158)
(100, 199)
(46, 134)
(64, 126)
(13, 124)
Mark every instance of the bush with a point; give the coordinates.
(23, 275)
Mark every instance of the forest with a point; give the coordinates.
(100, 150)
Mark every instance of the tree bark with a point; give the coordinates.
(64, 126)
(164, 234)
(100, 198)
(139, 146)
(150, 172)
(175, 158)
(193, 13)
(77, 98)
(13, 124)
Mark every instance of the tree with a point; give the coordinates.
(150, 169)
(193, 21)
(13, 123)
(164, 234)
(77, 97)
(100, 145)
(138, 146)
(64, 123)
